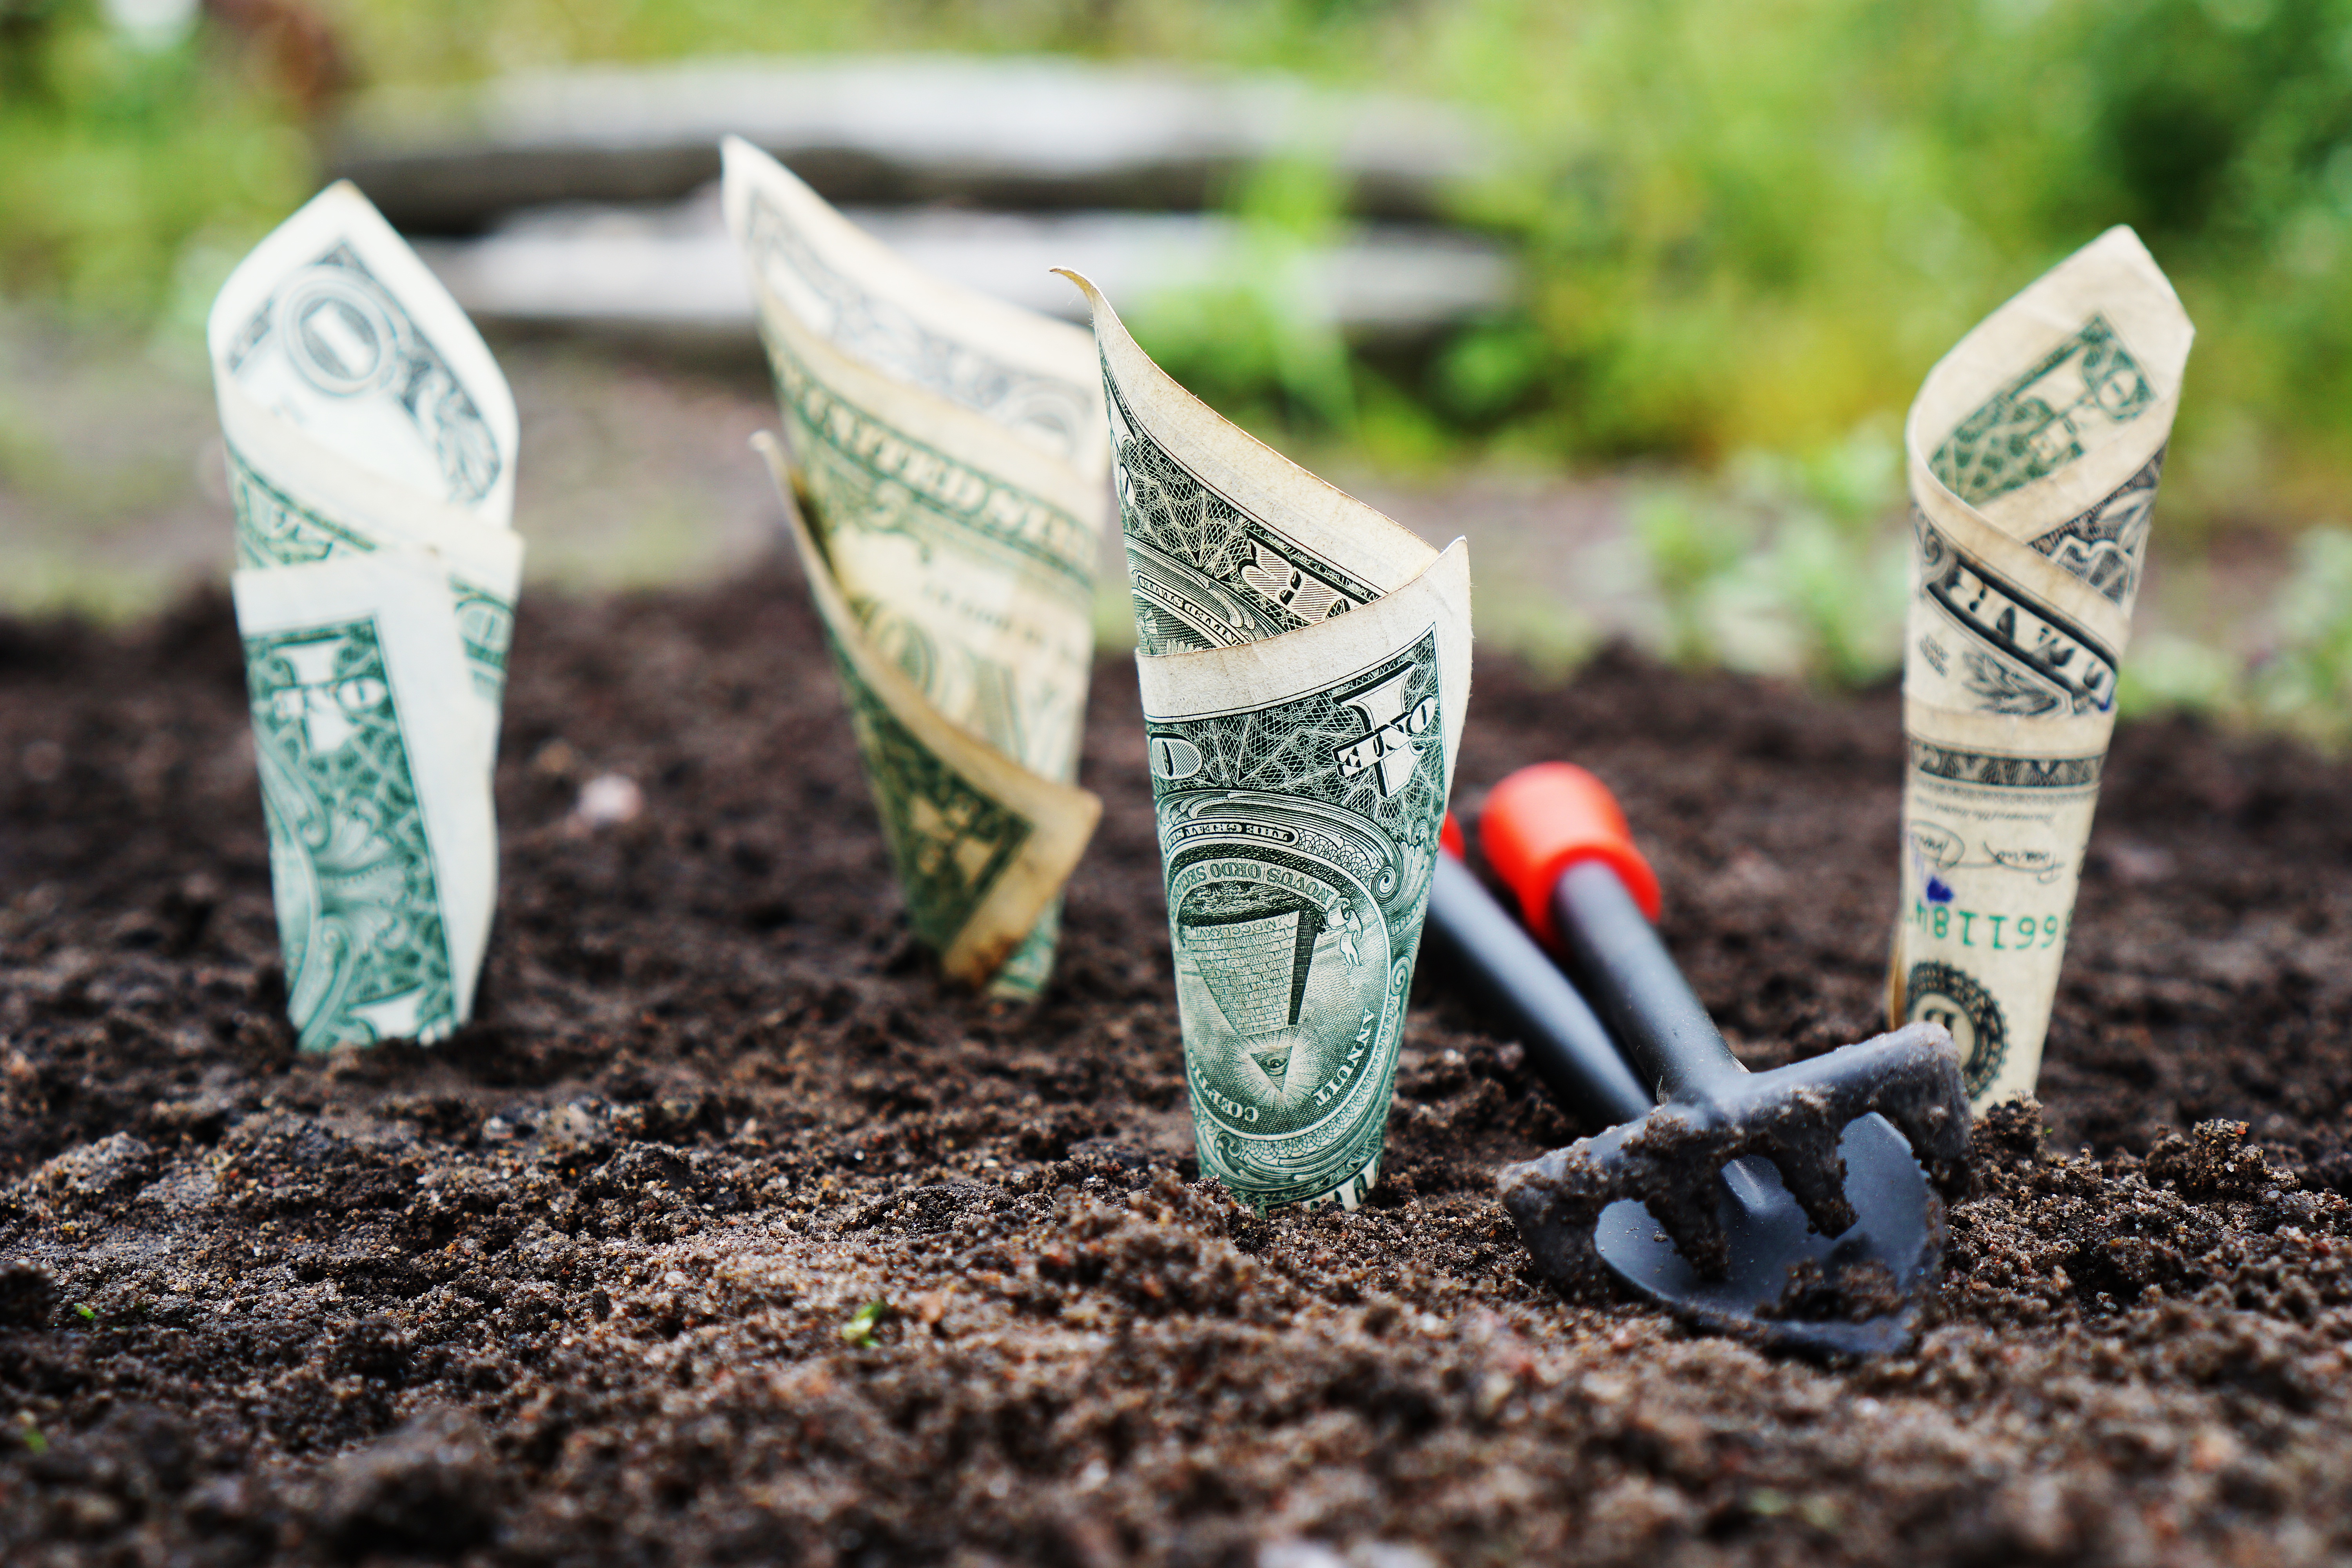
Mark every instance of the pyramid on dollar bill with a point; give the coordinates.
(1305, 665)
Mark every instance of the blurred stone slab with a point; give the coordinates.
(672, 271)
(1022, 134)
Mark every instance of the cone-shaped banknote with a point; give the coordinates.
(370, 445)
(2034, 448)
(948, 480)
(1305, 665)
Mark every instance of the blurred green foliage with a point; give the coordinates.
(1754, 226)
(2306, 680)
(1748, 227)
(1785, 564)
(1749, 224)
(117, 157)
(1264, 345)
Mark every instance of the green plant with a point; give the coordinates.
(2165, 670)
(1747, 224)
(1265, 326)
(114, 156)
(859, 1329)
(2306, 680)
(1794, 565)
(1689, 549)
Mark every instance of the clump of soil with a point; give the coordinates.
(727, 1234)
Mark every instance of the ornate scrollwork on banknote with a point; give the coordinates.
(2035, 446)
(845, 300)
(1304, 663)
(947, 481)
(1203, 573)
(370, 443)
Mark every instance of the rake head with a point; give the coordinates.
(1799, 1206)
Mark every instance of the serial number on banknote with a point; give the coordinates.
(1976, 928)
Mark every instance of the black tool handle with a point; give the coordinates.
(1614, 952)
(1525, 990)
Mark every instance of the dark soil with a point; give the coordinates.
(728, 1235)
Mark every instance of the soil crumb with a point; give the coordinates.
(727, 1234)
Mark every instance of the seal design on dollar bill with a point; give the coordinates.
(338, 334)
(2105, 545)
(948, 837)
(1203, 572)
(1057, 415)
(273, 529)
(1298, 841)
(1938, 993)
(359, 912)
(2022, 658)
(2046, 418)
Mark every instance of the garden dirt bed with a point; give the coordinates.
(727, 1234)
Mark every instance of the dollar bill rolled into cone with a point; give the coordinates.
(947, 481)
(2034, 450)
(1304, 666)
(370, 446)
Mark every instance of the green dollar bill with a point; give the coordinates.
(946, 472)
(939, 556)
(359, 904)
(950, 840)
(370, 445)
(2035, 448)
(273, 529)
(1298, 841)
(1304, 664)
(2047, 417)
(381, 842)
(1202, 572)
(982, 844)
(878, 309)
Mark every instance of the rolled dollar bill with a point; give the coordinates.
(947, 480)
(2034, 450)
(1304, 666)
(370, 443)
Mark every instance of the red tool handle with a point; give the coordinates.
(1546, 818)
(1557, 837)
(1471, 934)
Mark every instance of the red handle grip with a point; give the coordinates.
(1450, 839)
(1542, 820)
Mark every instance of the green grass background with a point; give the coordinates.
(1749, 226)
